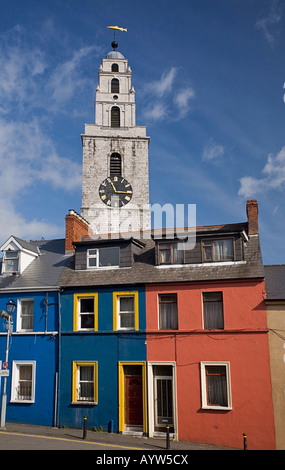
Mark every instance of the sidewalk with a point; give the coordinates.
(114, 441)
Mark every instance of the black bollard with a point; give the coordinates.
(84, 427)
(244, 441)
(167, 438)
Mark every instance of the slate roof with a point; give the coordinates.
(144, 270)
(43, 272)
(275, 282)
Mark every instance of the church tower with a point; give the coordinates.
(115, 184)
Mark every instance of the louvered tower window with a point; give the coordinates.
(115, 116)
(115, 164)
(115, 85)
(115, 68)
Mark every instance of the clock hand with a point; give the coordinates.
(113, 186)
(124, 192)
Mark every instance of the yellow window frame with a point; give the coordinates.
(116, 295)
(75, 366)
(76, 298)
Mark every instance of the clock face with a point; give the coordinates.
(115, 191)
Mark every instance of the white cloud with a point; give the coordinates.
(13, 223)
(34, 85)
(266, 24)
(60, 172)
(166, 98)
(67, 77)
(182, 100)
(164, 84)
(156, 111)
(274, 177)
(212, 151)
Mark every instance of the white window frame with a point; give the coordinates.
(4, 270)
(82, 314)
(133, 312)
(97, 257)
(76, 365)
(15, 381)
(19, 314)
(203, 366)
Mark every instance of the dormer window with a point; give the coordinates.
(218, 250)
(103, 257)
(11, 261)
(170, 253)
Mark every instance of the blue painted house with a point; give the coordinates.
(102, 338)
(29, 276)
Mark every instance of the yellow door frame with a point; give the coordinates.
(122, 404)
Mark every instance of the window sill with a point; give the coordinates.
(20, 402)
(217, 408)
(88, 403)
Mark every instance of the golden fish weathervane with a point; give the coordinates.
(117, 28)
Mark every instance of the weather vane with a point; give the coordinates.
(115, 29)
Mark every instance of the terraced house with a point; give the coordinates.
(132, 328)
(29, 276)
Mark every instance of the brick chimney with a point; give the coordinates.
(252, 216)
(75, 228)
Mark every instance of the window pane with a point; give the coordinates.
(207, 252)
(168, 312)
(25, 383)
(127, 320)
(25, 373)
(11, 254)
(109, 256)
(86, 383)
(127, 304)
(87, 305)
(27, 314)
(92, 262)
(92, 252)
(87, 321)
(178, 253)
(213, 310)
(11, 265)
(223, 250)
(217, 386)
(86, 373)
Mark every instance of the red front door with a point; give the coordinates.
(134, 403)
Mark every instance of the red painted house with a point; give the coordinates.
(207, 339)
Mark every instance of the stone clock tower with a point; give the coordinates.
(115, 186)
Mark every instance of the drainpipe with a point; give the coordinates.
(59, 357)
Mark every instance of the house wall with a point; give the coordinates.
(37, 346)
(243, 344)
(276, 324)
(107, 347)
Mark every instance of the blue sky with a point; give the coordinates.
(209, 78)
